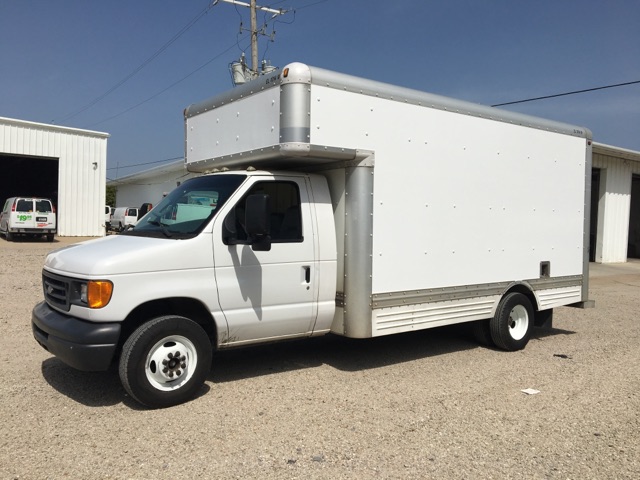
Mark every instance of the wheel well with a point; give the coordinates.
(542, 317)
(185, 307)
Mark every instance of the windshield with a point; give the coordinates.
(189, 208)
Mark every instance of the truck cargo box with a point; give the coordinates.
(441, 205)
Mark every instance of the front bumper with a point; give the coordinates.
(80, 344)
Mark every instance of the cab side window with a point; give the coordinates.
(285, 213)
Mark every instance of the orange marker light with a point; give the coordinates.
(99, 293)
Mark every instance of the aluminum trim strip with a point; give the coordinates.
(280, 156)
(414, 297)
(237, 93)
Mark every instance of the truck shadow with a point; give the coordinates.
(102, 389)
(93, 389)
(345, 354)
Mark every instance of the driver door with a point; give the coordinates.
(269, 294)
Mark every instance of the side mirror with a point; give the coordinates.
(258, 221)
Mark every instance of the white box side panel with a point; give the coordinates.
(250, 123)
(460, 200)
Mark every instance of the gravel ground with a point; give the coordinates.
(430, 404)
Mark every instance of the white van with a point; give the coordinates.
(123, 217)
(28, 216)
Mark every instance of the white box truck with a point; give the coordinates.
(329, 203)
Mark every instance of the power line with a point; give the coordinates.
(147, 163)
(165, 89)
(567, 93)
(189, 25)
(141, 66)
(311, 4)
(240, 68)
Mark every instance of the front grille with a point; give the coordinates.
(56, 290)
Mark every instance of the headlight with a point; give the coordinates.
(96, 293)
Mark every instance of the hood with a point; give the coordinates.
(124, 254)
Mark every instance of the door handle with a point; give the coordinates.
(307, 274)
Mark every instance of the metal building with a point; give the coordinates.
(150, 185)
(67, 165)
(615, 205)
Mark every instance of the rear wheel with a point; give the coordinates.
(511, 326)
(9, 236)
(49, 237)
(165, 361)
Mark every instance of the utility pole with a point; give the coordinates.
(239, 73)
(254, 38)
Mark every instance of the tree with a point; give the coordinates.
(111, 196)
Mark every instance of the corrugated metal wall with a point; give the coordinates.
(613, 205)
(82, 156)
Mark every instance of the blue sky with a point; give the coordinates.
(59, 58)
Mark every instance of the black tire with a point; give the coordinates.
(511, 326)
(481, 331)
(177, 342)
(49, 237)
(9, 236)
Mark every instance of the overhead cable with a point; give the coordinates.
(567, 93)
(165, 89)
(146, 163)
(139, 67)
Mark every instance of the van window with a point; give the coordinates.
(24, 205)
(133, 212)
(43, 206)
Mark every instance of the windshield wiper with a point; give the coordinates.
(162, 226)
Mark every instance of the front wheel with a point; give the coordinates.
(165, 361)
(511, 326)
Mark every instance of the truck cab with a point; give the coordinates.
(237, 257)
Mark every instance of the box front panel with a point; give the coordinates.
(243, 125)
